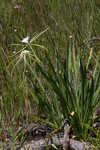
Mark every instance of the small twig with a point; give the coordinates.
(94, 39)
(66, 140)
(91, 39)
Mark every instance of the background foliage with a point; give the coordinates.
(25, 87)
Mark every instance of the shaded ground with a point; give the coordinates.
(38, 136)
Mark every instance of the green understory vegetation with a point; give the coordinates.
(49, 65)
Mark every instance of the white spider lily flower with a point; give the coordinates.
(25, 40)
(70, 37)
(21, 56)
(24, 53)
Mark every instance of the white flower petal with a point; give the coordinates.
(25, 40)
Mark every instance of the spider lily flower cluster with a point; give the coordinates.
(23, 53)
(22, 56)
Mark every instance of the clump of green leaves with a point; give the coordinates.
(70, 91)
